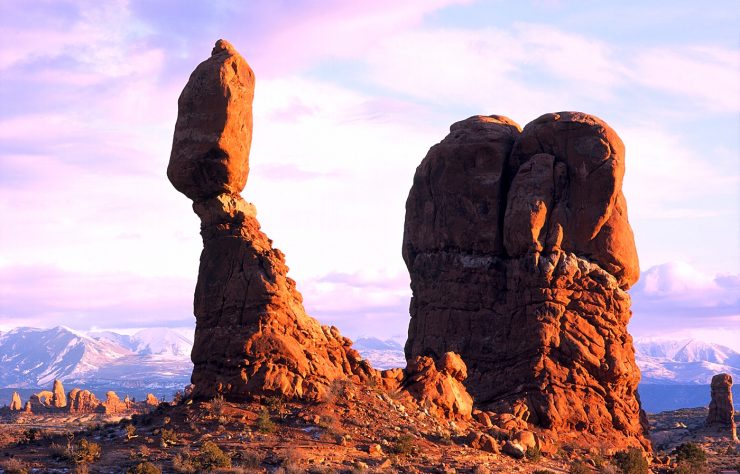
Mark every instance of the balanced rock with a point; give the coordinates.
(437, 387)
(58, 399)
(520, 254)
(15, 402)
(252, 334)
(213, 133)
(721, 408)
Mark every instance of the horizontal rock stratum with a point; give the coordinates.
(520, 254)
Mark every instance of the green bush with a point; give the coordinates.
(211, 455)
(404, 445)
(144, 468)
(264, 422)
(690, 453)
(631, 461)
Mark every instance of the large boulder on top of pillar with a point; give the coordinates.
(213, 133)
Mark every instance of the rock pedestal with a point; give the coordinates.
(520, 254)
(58, 399)
(15, 402)
(721, 408)
(252, 334)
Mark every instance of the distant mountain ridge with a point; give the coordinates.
(687, 361)
(32, 357)
(159, 357)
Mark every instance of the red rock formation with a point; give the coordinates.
(252, 334)
(113, 403)
(721, 409)
(82, 401)
(151, 400)
(28, 408)
(58, 399)
(520, 255)
(437, 387)
(15, 402)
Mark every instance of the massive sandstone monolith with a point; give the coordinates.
(520, 255)
(252, 334)
(721, 408)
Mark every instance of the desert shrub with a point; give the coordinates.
(167, 438)
(533, 454)
(290, 463)
(178, 397)
(578, 467)
(130, 431)
(210, 455)
(85, 452)
(264, 422)
(276, 405)
(403, 445)
(14, 466)
(183, 462)
(631, 461)
(217, 405)
(690, 453)
(144, 468)
(248, 459)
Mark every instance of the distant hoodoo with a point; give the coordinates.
(721, 408)
(520, 254)
(252, 334)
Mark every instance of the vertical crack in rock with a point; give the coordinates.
(252, 334)
(520, 254)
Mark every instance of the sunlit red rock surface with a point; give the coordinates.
(721, 414)
(252, 334)
(520, 255)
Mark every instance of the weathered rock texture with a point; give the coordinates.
(520, 255)
(82, 401)
(15, 402)
(437, 386)
(721, 409)
(58, 399)
(113, 403)
(252, 334)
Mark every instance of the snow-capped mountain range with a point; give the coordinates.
(32, 357)
(688, 361)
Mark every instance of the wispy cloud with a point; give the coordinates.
(675, 297)
(47, 296)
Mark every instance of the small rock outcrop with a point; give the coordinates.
(520, 254)
(58, 399)
(437, 386)
(252, 334)
(28, 408)
(721, 408)
(15, 402)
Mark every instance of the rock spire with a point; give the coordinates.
(252, 334)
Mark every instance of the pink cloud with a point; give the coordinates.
(48, 296)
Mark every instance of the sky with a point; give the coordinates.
(349, 98)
